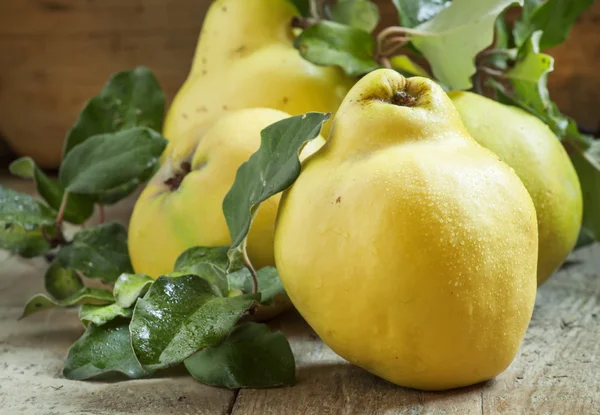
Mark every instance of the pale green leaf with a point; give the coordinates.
(452, 39)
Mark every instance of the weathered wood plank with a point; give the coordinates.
(556, 372)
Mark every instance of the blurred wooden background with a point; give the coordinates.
(55, 54)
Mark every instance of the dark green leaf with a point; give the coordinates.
(106, 162)
(269, 284)
(61, 282)
(331, 43)
(209, 263)
(414, 12)
(587, 165)
(360, 14)
(40, 302)
(130, 99)
(129, 287)
(303, 6)
(103, 349)
(79, 207)
(98, 252)
(251, 357)
(451, 40)
(23, 210)
(179, 316)
(553, 17)
(272, 169)
(102, 314)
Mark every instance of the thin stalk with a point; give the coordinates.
(61, 210)
(251, 269)
(101, 213)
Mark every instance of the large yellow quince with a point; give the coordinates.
(409, 248)
(245, 58)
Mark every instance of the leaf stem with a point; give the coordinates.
(101, 213)
(251, 269)
(314, 9)
(61, 209)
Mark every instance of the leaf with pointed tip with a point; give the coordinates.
(107, 162)
(179, 316)
(129, 287)
(272, 169)
(103, 350)
(451, 40)
(587, 165)
(330, 43)
(251, 357)
(41, 302)
(406, 66)
(130, 99)
(99, 252)
(79, 207)
(102, 314)
(209, 263)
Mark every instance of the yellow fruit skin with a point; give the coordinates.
(164, 223)
(409, 249)
(527, 145)
(244, 59)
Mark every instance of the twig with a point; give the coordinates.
(384, 61)
(314, 9)
(397, 43)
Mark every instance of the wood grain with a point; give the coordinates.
(56, 54)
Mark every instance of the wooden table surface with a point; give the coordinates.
(557, 370)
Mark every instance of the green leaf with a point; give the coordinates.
(27, 244)
(103, 349)
(251, 357)
(331, 43)
(23, 221)
(130, 99)
(451, 40)
(106, 162)
(41, 302)
(209, 263)
(528, 78)
(129, 287)
(102, 314)
(98, 252)
(414, 12)
(587, 165)
(553, 17)
(360, 14)
(79, 207)
(407, 66)
(179, 316)
(23, 210)
(61, 282)
(272, 169)
(269, 284)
